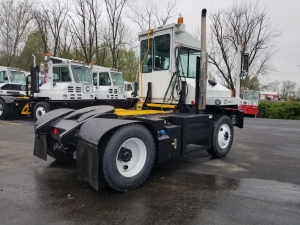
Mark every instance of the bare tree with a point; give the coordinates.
(116, 35)
(147, 14)
(288, 88)
(243, 22)
(86, 28)
(51, 19)
(15, 25)
(274, 86)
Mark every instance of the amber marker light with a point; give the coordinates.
(180, 19)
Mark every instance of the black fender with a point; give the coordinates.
(42, 129)
(42, 124)
(87, 142)
(7, 98)
(67, 122)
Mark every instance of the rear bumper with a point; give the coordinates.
(249, 109)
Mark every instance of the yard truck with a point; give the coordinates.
(177, 107)
(12, 84)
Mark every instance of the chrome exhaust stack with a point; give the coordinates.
(203, 65)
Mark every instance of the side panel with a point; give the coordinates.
(195, 129)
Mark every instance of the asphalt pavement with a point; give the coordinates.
(257, 183)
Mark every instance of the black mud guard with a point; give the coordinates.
(42, 128)
(87, 141)
(7, 98)
(240, 115)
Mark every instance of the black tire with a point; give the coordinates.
(142, 151)
(223, 127)
(40, 109)
(65, 156)
(5, 110)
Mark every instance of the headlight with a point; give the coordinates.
(121, 90)
(87, 88)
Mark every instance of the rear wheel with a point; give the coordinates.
(4, 110)
(128, 157)
(222, 137)
(40, 109)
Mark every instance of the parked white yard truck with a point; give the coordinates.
(177, 107)
(12, 84)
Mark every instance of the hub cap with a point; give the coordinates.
(224, 136)
(131, 157)
(40, 111)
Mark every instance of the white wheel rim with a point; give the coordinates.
(1, 109)
(224, 136)
(40, 111)
(136, 163)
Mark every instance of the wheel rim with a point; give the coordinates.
(131, 157)
(40, 111)
(224, 136)
(1, 109)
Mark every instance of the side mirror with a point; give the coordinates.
(42, 67)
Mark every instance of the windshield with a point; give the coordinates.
(117, 78)
(251, 95)
(17, 77)
(81, 74)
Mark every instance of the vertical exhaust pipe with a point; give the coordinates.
(34, 60)
(203, 65)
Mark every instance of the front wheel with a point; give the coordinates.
(40, 109)
(128, 157)
(222, 137)
(4, 110)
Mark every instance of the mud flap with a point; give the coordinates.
(87, 163)
(40, 147)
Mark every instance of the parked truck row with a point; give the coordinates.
(68, 84)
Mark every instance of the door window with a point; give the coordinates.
(61, 74)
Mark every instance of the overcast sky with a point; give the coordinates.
(285, 16)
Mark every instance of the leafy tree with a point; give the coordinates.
(34, 45)
(128, 64)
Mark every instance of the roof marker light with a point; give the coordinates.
(180, 19)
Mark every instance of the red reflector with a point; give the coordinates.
(55, 131)
(192, 102)
(139, 100)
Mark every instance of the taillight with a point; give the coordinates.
(55, 131)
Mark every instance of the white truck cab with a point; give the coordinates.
(66, 80)
(108, 83)
(170, 59)
(12, 81)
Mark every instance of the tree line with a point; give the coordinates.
(86, 30)
(97, 31)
